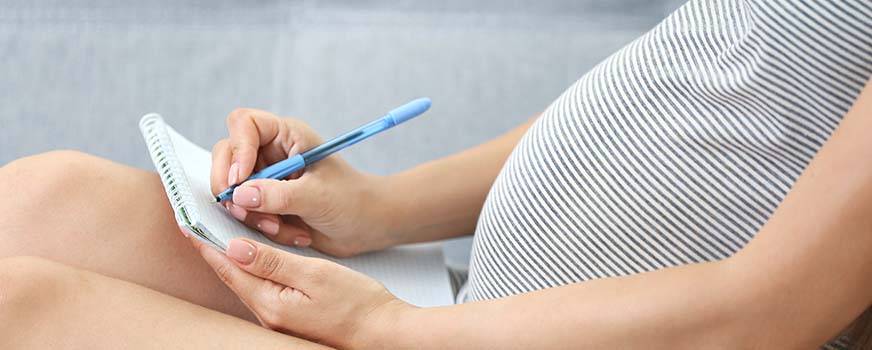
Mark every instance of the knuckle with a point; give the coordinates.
(270, 264)
(244, 149)
(271, 317)
(285, 196)
(225, 273)
(294, 122)
(219, 145)
(291, 297)
(302, 132)
(237, 115)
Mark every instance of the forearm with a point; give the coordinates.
(684, 307)
(442, 198)
(796, 285)
(808, 269)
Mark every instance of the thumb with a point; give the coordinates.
(267, 262)
(283, 197)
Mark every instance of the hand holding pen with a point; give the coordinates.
(330, 206)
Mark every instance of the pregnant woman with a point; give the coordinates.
(707, 186)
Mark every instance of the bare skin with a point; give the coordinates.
(108, 218)
(115, 225)
(46, 305)
(778, 292)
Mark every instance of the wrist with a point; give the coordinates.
(391, 210)
(381, 210)
(390, 326)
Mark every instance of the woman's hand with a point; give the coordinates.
(308, 297)
(330, 205)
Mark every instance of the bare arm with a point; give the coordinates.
(797, 284)
(442, 198)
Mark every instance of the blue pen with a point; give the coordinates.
(293, 164)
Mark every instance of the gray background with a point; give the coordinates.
(79, 74)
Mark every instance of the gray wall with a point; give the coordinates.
(79, 74)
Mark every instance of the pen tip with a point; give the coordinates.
(215, 199)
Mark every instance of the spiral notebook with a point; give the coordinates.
(414, 273)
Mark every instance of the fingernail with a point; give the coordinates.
(302, 241)
(241, 251)
(184, 231)
(233, 174)
(247, 197)
(268, 226)
(238, 212)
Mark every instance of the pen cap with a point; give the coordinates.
(409, 110)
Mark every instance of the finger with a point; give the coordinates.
(258, 294)
(293, 233)
(238, 212)
(277, 230)
(302, 137)
(241, 282)
(284, 197)
(302, 240)
(220, 166)
(276, 265)
(249, 129)
(328, 245)
(297, 137)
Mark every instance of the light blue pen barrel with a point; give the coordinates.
(393, 118)
(296, 163)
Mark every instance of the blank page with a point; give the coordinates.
(414, 273)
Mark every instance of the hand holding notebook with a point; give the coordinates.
(414, 273)
(306, 297)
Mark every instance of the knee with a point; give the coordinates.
(44, 193)
(59, 183)
(38, 187)
(55, 197)
(52, 160)
(34, 177)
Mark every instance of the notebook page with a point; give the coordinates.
(414, 273)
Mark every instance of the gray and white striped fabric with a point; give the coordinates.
(674, 150)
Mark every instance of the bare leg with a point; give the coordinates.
(46, 305)
(112, 219)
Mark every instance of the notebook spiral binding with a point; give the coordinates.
(175, 182)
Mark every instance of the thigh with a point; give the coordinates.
(105, 217)
(49, 305)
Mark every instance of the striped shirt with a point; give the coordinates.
(674, 150)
